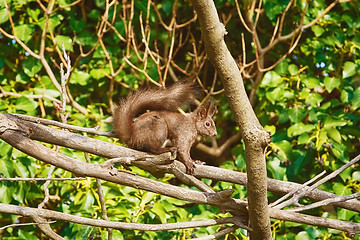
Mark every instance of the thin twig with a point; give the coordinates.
(24, 224)
(40, 179)
(101, 200)
(305, 191)
(291, 193)
(325, 202)
(63, 125)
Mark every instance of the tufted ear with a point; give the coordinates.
(211, 109)
(202, 112)
(207, 110)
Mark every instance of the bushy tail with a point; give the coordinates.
(177, 95)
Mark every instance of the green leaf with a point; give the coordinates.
(355, 100)
(332, 122)
(331, 83)
(311, 82)
(345, 175)
(356, 176)
(271, 79)
(6, 165)
(80, 77)
(318, 31)
(322, 138)
(271, 129)
(24, 32)
(314, 232)
(293, 69)
(339, 150)
(19, 194)
(67, 41)
(282, 68)
(54, 21)
(34, 13)
(159, 211)
(340, 189)
(283, 114)
(21, 170)
(288, 94)
(89, 201)
(94, 14)
(4, 17)
(98, 73)
(5, 194)
(77, 24)
(345, 214)
(85, 38)
(27, 235)
(334, 134)
(284, 149)
(274, 167)
(275, 95)
(302, 236)
(140, 5)
(299, 128)
(349, 69)
(303, 138)
(314, 99)
(46, 82)
(147, 197)
(273, 8)
(297, 114)
(32, 66)
(26, 105)
(168, 206)
(167, 6)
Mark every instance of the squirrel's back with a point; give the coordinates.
(152, 99)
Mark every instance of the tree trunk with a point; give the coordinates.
(254, 135)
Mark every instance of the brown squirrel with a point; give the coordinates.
(147, 119)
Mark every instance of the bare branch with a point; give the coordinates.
(157, 163)
(275, 204)
(49, 214)
(325, 202)
(2, 179)
(63, 125)
(21, 224)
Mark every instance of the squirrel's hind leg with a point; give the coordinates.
(150, 134)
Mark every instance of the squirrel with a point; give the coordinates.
(148, 118)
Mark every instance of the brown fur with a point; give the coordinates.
(147, 118)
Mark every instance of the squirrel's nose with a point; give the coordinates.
(214, 133)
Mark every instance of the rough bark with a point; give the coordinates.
(255, 137)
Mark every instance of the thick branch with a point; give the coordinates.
(160, 164)
(49, 214)
(14, 135)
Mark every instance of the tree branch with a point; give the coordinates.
(49, 214)
(15, 133)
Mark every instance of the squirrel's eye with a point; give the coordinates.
(207, 124)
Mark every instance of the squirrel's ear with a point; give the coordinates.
(202, 112)
(211, 109)
(207, 110)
